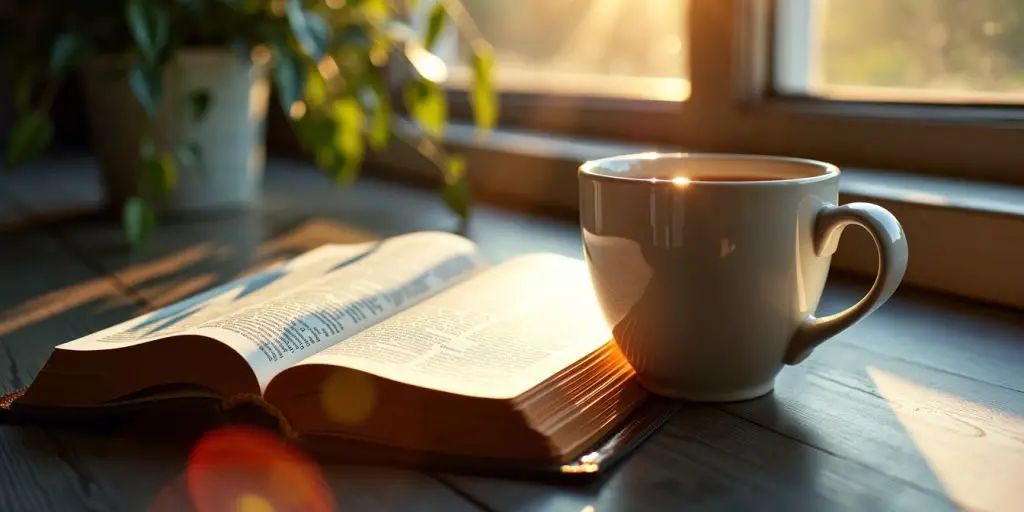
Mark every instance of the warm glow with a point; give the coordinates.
(348, 397)
(81, 294)
(925, 198)
(252, 470)
(680, 181)
(297, 110)
(167, 293)
(260, 55)
(974, 450)
(259, 95)
(328, 68)
(249, 502)
(581, 468)
(428, 65)
(335, 4)
(277, 7)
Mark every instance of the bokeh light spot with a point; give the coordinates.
(348, 396)
(297, 110)
(249, 502)
(252, 470)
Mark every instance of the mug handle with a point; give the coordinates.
(891, 243)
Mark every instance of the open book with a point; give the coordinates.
(413, 342)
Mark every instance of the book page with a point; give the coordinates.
(496, 335)
(287, 313)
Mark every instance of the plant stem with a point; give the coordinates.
(49, 95)
(464, 22)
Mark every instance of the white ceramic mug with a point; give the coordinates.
(709, 267)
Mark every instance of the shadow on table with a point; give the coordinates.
(57, 283)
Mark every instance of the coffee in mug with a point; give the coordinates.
(709, 267)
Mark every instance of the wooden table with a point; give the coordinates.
(920, 407)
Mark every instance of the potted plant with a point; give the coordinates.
(177, 90)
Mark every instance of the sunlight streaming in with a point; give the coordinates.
(428, 65)
(973, 453)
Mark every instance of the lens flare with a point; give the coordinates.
(253, 503)
(251, 470)
(297, 110)
(348, 397)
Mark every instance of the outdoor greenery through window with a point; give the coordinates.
(821, 79)
(617, 48)
(948, 51)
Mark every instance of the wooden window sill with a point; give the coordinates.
(966, 237)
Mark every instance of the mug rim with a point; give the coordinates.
(828, 171)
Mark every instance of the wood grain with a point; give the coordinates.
(951, 335)
(919, 407)
(708, 459)
(932, 430)
(50, 296)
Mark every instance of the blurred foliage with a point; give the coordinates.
(328, 60)
(940, 44)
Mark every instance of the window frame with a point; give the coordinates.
(967, 234)
(734, 107)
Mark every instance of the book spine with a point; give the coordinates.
(257, 400)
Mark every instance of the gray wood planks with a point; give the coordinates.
(708, 459)
(918, 407)
(49, 297)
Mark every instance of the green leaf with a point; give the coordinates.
(289, 76)
(380, 49)
(315, 130)
(199, 104)
(316, 89)
(435, 25)
(161, 174)
(138, 220)
(376, 11)
(379, 129)
(23, 91)
(29, 136)
(354, 37)
(456, 187)
(150, 26)
(251, 6)
(67, 50)
(190, 158)
(147, 85)
(455, 169)
(312, 32)
(428, 106)
(483, 96)
(348, 138)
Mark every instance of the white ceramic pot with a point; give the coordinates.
(230, 136)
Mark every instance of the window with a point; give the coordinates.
(929, 86)
(604, 48)
(924, 51)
